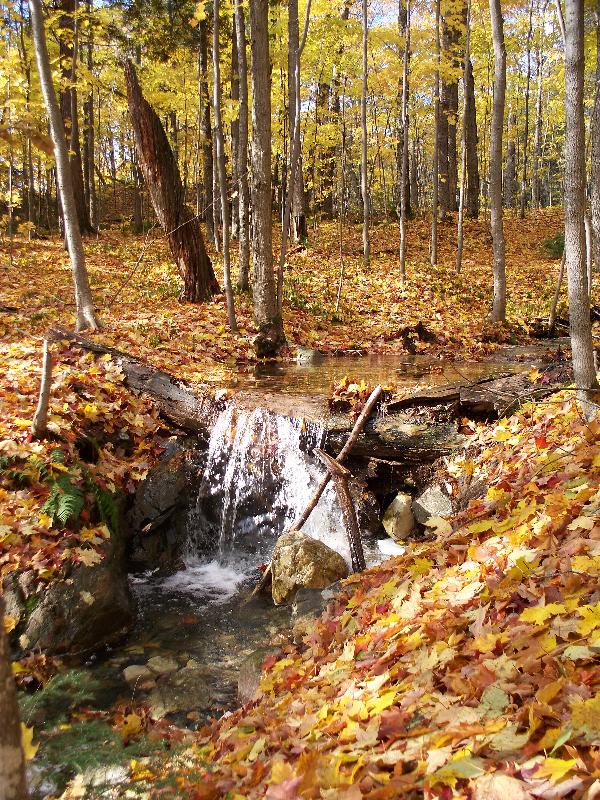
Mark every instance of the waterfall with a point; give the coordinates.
(260, 473)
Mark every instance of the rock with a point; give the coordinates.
(299, 561)
(306, 355)
(162, 665)
(251, 671)
(87, 609)
(399, 520)
(433, 502)
(308, 606)
(137, 673)
(184, 690)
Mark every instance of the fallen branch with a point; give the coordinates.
(340, 476)
(344, 453)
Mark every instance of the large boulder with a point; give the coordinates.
(300, 561)
(433, 502)
(399, 520)
(90, 607)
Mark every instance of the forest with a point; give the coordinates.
(299, 400)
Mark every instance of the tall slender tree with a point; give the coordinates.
(364, 166)
(498, 313)
(463, 159)
(267, 316)
(86, 317)
(404, 12)
(243, 188)
(575, 245)
(433, 255)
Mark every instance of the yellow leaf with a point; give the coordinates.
(10, 623)
(539, 614)
(591, 619)
(555, 768)
(29, 748)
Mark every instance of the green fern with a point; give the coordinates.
(106, 503)
(65, 501)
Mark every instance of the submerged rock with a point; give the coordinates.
(161, 665)
(299, 560)
(251, 671)
(180, 691)
(137, 673)
(399, 520)
(433, 502)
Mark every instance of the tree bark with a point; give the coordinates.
(536, 201)
(473, 182)
(435, 199)
(463, 160)
(243, 199)
(162, 178)
(510, 170)
(364, 179)
(523, 202)
(12, 762)
(579, 303)
(595, 167)
(270, 336)
(404, 169)
(220, 143)
(498, 313)
(68, 105)
(235, 136)
(86, 317)
(295, 176)
(208, 214)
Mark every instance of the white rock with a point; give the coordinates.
(137, 673)
(398, 520)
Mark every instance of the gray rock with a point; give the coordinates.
(91, 607)
(299, 560)
(433, 502)
(137, 674)
(161, 665)
(180, 691)
(399, 520)
(250, 673)
(312, 602)
(306, 355)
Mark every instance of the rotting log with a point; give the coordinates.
(340, 475)
(162, 178)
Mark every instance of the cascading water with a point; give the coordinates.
(260, 473)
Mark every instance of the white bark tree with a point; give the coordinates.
(498, 313)
(86, 317)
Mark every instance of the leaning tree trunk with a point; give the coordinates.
(162, 178)
(12, 763)
(575, 250)
(86, 317)
(270, 336)
(244, 198)
(495, 169)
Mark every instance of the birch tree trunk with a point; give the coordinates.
(86, 317)
(12, 762)
(404, 176)
(243, 198)
(498, 313)
(267, 316)
(575, 250)
(220, 142)
(162, 178)
(364, 178)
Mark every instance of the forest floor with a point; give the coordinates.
(466, 668)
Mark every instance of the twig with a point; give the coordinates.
(39, 426)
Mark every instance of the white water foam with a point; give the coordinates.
(213, 581)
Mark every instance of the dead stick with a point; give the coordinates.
(340, 476)
(39, 425)
(344, 452)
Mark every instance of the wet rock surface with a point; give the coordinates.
(399, 520)
(250, 673)
(300, 561)
(433, 502)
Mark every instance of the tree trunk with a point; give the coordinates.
(473, 182)
(595, 168)
(68, 104)
(523, 203)
(220, 143)
(270, 336)
(463, 159)
(579, 303)
(537, 136)
(436, 140)
(364, 179)
(12, 762)
(404, 14)
(235, 137)
(295, 181)
(89, 133)
(206, 129)
(166, 191)
(495, 169)
(244, 199)
(86, 317)
(510, 169)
